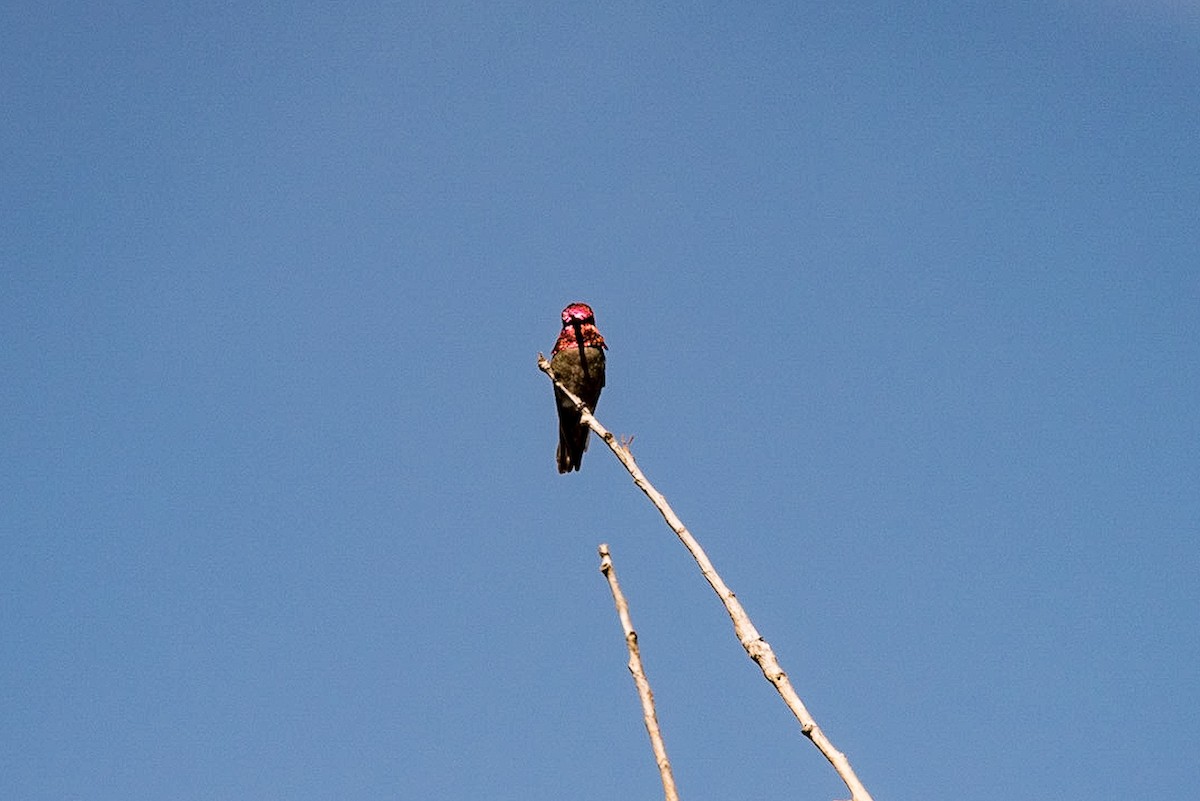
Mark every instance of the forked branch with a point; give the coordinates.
(758, 648)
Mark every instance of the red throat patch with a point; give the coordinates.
(567, 339)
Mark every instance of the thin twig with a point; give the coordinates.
(639, 677)
(758, 648)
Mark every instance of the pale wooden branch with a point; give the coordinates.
(758, 648)
(639, 677)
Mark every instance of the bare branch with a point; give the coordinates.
(639, 677)
(758, 648)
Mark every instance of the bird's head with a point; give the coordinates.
(579, 329)
(578, 314)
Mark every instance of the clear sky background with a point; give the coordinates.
(903, 306)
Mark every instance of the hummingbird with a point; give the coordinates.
(578, 362)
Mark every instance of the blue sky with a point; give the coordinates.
(901, 302)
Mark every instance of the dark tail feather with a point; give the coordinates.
(572, 442)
